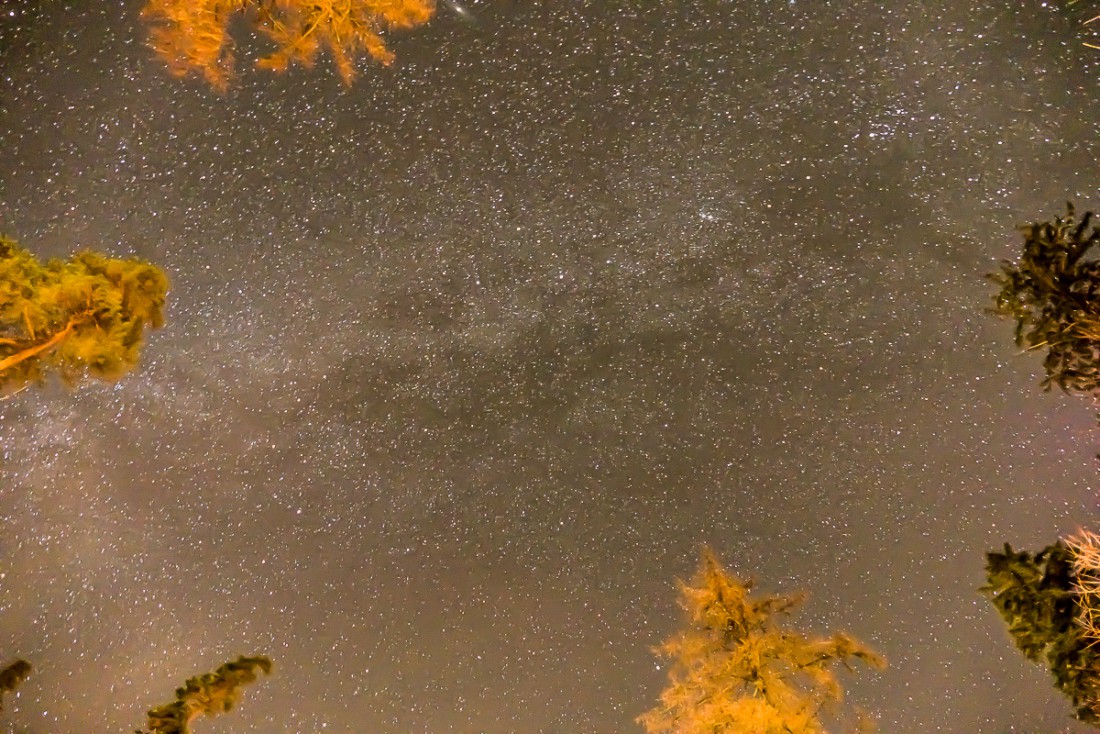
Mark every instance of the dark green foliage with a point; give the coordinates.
(208, 694)
(11, 677)
(1053, 293)
(1034, 595)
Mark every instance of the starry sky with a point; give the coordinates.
(463, 364)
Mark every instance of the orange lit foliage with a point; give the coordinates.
(83, 317)
(735, 671)
(193, 35)
(206, 695)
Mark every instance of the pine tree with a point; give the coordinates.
(193, 35)
(11, 677)
(734, 670)
(1037, 598)
(208, 694)
(84, 317)
(1053, 294)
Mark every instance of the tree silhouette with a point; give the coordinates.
(11, 677)
(1037, 597)
(734, 670)
(1053, 294)
(81, 317)
(208, 694)
(193, 35)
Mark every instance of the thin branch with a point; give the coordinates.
(12, 395)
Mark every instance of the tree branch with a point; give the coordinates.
(8, 362)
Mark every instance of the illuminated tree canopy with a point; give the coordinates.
(193, 36)
(735, 670)
(1053, 294)
(84, 317)
(205, 695)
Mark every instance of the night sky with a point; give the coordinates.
(465, 363)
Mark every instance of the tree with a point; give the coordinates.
(1037, 596)
(84, 317)
(11, 677)
(1053, 294)
(735, 670)
(208, 694)
(193, 35)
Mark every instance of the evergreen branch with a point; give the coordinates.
(8, 362)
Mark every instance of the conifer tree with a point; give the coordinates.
(1053, 294)
(208, 694)
(11, 677)
(193, 36)
(84, 317)
(1037, 597)
(734, 670)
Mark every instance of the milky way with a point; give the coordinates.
(466, 362)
